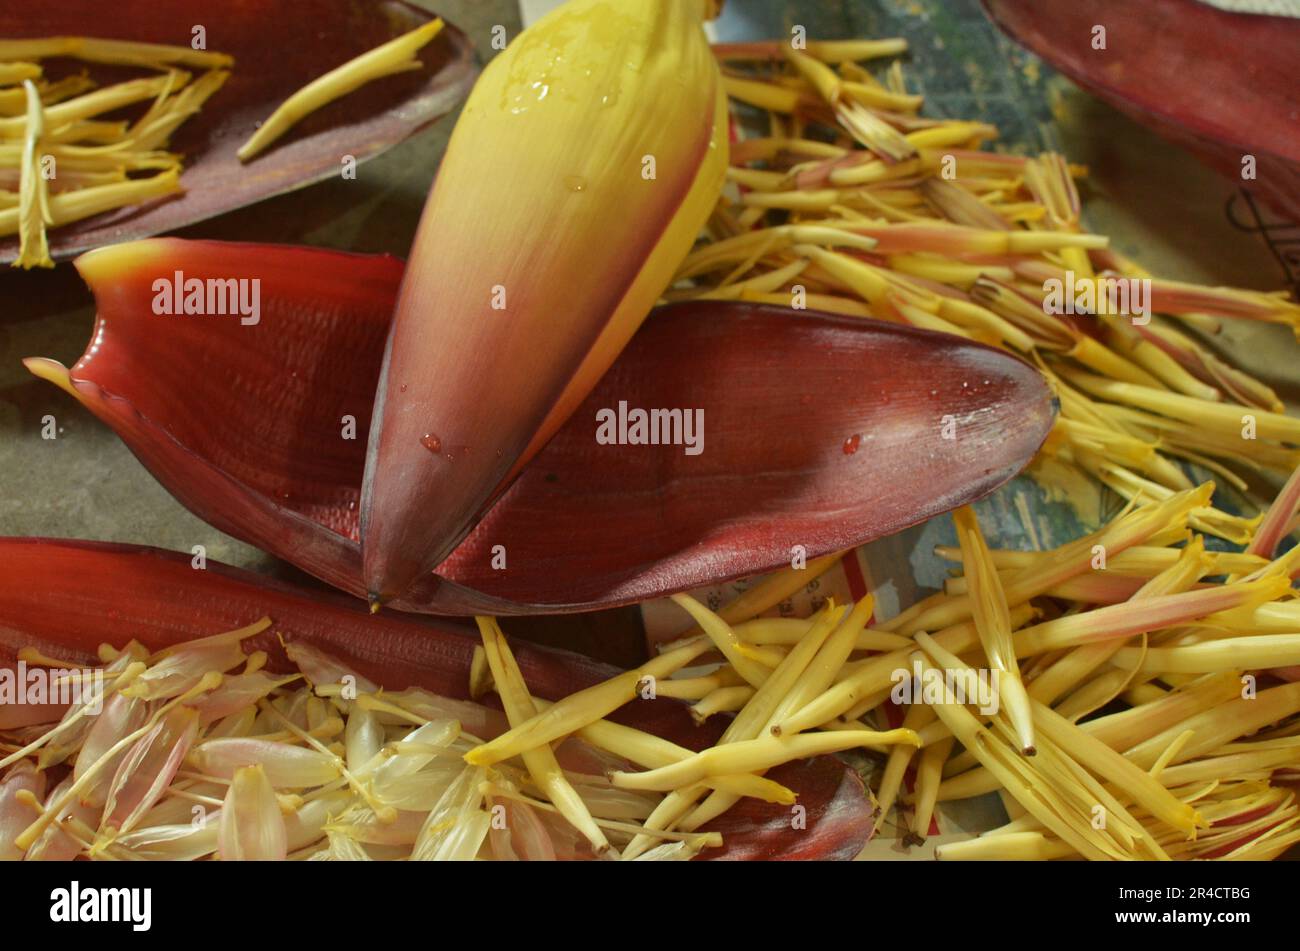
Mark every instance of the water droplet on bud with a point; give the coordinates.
(431, 442)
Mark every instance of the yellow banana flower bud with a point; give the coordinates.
(588, 157)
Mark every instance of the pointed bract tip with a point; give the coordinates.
(112, 261)
(52, 371)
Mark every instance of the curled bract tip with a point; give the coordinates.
(52, 371)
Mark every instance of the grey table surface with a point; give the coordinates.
(1156, 201)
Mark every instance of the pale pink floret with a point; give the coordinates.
(148, 769)
(121, 717)
(251, 827)
(15, 814)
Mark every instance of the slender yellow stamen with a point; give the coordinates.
(395, 56)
